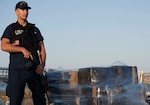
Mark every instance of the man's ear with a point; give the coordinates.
(16, 11)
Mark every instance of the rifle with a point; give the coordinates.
(29, 41)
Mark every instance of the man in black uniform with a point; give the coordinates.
(25, 44)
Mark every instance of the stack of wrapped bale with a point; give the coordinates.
(95, 86)
(63, 87)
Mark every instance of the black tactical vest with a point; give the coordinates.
(25, 36)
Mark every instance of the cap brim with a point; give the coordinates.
(26, 8)
(29, 7)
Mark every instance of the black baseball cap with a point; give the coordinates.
(22, 5)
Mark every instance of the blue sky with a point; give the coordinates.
(85, 33)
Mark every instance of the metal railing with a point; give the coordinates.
(3, 72)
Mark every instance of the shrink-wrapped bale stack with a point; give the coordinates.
(95, 86)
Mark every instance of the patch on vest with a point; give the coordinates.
(18, 32)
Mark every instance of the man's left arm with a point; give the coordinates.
(42, 52)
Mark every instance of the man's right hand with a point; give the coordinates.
(27, 54)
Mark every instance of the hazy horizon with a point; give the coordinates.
(88, 33)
